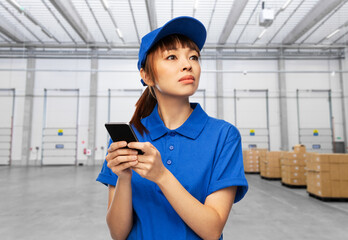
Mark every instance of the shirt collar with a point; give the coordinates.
(191, 128)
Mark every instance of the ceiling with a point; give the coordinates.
(120, 24)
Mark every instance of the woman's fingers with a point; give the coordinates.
(116, 145)
(121, 159)
(145, 147)
(123, 166)
(120, 152)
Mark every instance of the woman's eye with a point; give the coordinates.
(194, 57)
(171, 57)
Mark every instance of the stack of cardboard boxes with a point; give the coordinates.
(325, 175)
(251, 159)
(328, 175)
(293, 167)
(270, 165)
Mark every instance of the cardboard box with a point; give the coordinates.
(319, 188)
(251, 168)
(328, 175)
(251, 159)
(296, 162)
(295, 181)
(271, 173)
(344, 189)
(344, 172)
(299, 148)
(273, 159)
(294, 168)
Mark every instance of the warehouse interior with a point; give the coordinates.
(276, 69)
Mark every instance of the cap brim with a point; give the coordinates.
(187, 26)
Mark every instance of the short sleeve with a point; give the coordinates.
(106, 176)
(228, 167)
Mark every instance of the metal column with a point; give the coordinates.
(219, 87)
(283, 107)
(28, 110)
(93, 90)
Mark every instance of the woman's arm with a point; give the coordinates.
(120, 209)
(206, 220)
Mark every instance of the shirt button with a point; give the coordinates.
(171, 148)
(172, 134)
(169, 162)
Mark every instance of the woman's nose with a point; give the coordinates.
(186, 65)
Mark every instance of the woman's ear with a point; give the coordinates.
(146, 77)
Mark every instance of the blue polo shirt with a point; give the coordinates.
(204, 154)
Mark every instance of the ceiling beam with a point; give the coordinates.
(315, 15)
(233, 17)
(96, 21)
(151, 14)
(20, 22)
(69, 12)
(10, 31)
(133, 54)
(108, 10)
(58, 21)
(4, 38)
(212, 47)
(28, 15)
(134, 22)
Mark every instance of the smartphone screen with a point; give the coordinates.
(121, 132)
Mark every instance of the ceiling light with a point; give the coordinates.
(286, 4)
(262, 33)
(333, 33)
(105, 4)
(16, 5)
(119, 32)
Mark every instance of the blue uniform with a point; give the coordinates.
(204, 154)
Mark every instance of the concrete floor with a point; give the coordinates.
(66, 203)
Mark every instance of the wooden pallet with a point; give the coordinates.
(293, 186)
(252, 172)
(270, 179)
(327, 199)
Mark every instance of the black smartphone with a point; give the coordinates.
(122, 132)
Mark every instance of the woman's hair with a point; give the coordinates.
(147, 100)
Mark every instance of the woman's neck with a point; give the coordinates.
(174, 112)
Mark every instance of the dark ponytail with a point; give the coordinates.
(144, 107)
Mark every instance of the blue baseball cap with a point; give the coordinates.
(187, 26)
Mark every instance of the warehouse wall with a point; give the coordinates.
(318, 112)
(122, 74)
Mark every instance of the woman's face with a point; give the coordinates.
(177, 72)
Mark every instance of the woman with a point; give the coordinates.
(191, 172)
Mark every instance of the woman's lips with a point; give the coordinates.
(187, 79)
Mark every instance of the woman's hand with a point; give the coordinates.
(121, 159)
(150, 164)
